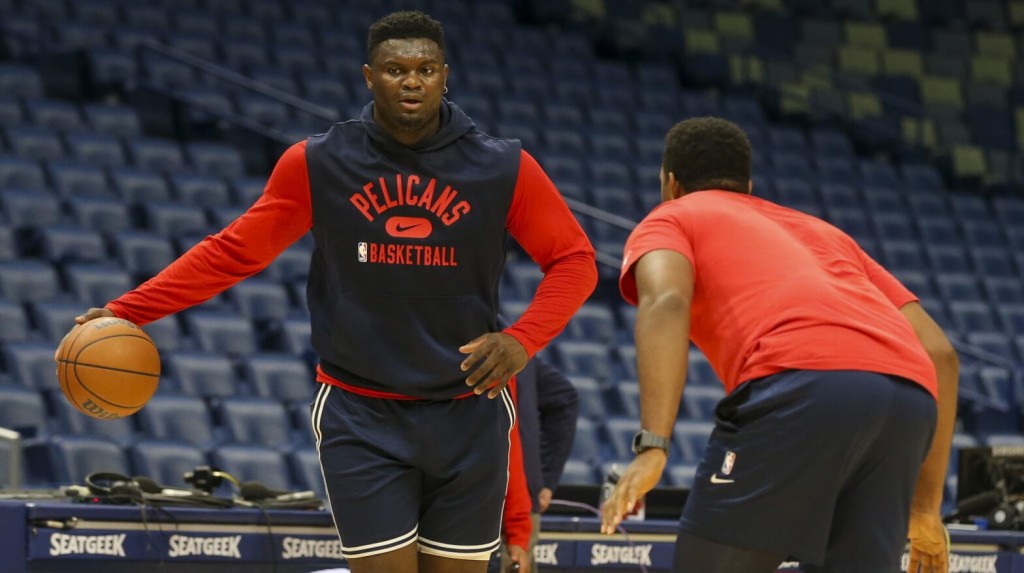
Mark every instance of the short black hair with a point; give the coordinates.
(403, 25)
(708, 153)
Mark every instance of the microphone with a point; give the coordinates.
(149, 485)
(255, 491)
(979, 504)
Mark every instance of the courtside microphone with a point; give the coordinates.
(255, 491)
(150, 486)
(979, 504)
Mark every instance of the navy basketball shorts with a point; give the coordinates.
(817, 465)
(399, 472)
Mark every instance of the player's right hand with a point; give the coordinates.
(82, 319)
(640, 477)
(929, 544)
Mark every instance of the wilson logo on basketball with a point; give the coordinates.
(409, 227)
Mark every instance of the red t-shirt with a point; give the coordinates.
(776, 289)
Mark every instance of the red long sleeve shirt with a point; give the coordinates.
(536, 219)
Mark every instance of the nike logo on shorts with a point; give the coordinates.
(716, 479)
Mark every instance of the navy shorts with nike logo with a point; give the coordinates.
(818, 465)
(399, 472)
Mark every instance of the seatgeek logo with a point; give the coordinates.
(601, 554)
(963, 563)
(545, 554)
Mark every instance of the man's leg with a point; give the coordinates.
(695, 554)
(402, 560)
(437, 564)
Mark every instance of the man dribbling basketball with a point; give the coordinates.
(409, 207)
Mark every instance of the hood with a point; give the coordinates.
(454, 124)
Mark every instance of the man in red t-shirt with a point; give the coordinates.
(829, 442)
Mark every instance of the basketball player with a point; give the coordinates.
(409, 207)
(832, 371)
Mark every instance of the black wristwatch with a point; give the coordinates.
(644, 440)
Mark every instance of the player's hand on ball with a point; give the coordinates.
(929, 544)
(79, 320)
(640, 477)
(494, 359)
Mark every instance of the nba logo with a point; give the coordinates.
(361, 250)
(730, 460)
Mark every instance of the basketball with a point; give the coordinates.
(108, 368)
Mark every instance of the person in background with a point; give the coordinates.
(410, 208)
(841, 390)
(547, 406)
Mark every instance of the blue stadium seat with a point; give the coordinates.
(305, 464)
(252, 420)
(280, 377)
(221, 332)
(30, 208)
(620, 433)
(16, 325)
(880, 174)
(917, 282)
(587, 443)
(296, 338)
(626, 354)
(24, 411)
(53, 319)
(11, 111)
(611, 173)
(261, 300)
(262, 109)
(20, 80)
(71, 421)
(116, 120)
(591, 397)
(699, 402)
(28, 281)
(617, 200)
(202, 373)
(939, 230)
(250, 462)
(958, 286)
(691, 438)
(994, 261)
(216, 159)
(628, 393)
(156, 154)
(34, 142)
(893, 226)
(200, 190)
(840, 195)
(79, 179)
(140, 186)
(30, 364)
(522, 279)
(948, 258)
(179, 417)
(70, 243)
(8, 244)
(68, 459)
(22, 173)
(682, 475)
(100, 214)
(589, 359)
(594, 322)
(142, 253)
(853, 221)
(58, 115)
(564, 141)
(175, 220)
(700, 372)
(96, 284)
(982, 233)
(109, 68)
(968, 316)
(903, 256)
(996, 343)
(96, 148)
(165, 460)
(884, 200)
(922, 177)
(1011, 316)
(579, 472)
(970, 208)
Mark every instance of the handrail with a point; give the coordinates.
(238, 79)
(14, 458)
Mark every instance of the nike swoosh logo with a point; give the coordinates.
(716, 479)
(403, 228)
(409, 227)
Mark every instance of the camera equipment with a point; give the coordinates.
(990, 485)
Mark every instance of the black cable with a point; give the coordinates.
(270, 534)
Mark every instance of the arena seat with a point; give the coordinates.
(34, 142)
(179, 417)
(15, 321)
(68, 459)
(100, 214)
(71, 421)
(156, 154)
(58, 115)
(249, 462)
(254, 420)
(200, 190)
(70, 243)
(96, 148)
(682, 475)
(175, 220)
(202, 374)
(579, 472)
(142, 253)
(215, 159)
(140, 186)
(28, 281)
(691, 438)
(24, 411)
(95, 284)
(73, 178)
(117, 120)
(280, 377)
(28, 208)
(589, 359)
(699, 402)
(165, 460)
(620, 432)
(587, 443)
(21, 173)
(20, 80)
(305, 465)
(31, 364)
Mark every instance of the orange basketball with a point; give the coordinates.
(108, 368)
